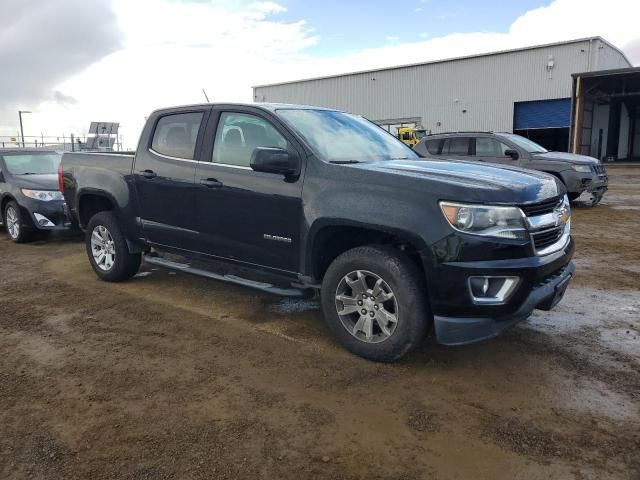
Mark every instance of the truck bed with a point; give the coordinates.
(120, 162)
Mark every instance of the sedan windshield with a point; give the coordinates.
(341, 137)
(524, 143)
(32, 163)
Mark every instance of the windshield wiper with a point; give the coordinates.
(344, 162)
(29, 173)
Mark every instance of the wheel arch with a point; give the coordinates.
(91, 202)
(25, 214)
(329, 239)
(6, 198)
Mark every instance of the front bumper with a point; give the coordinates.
(55, 212)
(459, 320)
(465, 330)
(587, 182)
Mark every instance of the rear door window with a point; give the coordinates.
(176, 135)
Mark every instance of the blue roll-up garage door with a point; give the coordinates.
(542, 114)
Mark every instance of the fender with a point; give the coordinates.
(321, 224)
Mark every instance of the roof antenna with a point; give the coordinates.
(205, 95)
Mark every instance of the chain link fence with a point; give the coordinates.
(63, 143)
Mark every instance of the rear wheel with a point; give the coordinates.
(374, 302)
(108, 251)
(14, 222)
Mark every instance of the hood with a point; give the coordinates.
(36, 182)
(481, 182)
(567, 158)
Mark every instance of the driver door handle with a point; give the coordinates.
(148, 174)
(211, 183)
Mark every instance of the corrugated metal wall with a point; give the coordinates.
(466, 94)
(607, 58)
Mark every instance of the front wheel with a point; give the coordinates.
(14, 223)
(374, 301)
(108, 251)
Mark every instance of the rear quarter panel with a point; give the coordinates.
(105, 175)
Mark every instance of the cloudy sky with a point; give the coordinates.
(73, 61)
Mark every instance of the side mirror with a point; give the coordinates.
(274, 160)
(512, 153)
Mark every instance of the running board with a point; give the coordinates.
(265, 287)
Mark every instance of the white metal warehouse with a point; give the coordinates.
(526, 90)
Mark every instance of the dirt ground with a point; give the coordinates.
(175, 377)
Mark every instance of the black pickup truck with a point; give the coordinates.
(300, 198)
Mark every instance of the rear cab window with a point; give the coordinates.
(176, 134)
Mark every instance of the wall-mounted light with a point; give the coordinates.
(551, 63)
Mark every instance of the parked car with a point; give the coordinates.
(30, 199)
(311, 198)
(578, 173)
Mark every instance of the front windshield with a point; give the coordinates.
(32, 163)
(524, 143)
(342, 137)
(420, 134)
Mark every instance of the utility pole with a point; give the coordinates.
(20, 112)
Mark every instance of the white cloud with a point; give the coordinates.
(173, 49)
(417, 9)
(268, 7)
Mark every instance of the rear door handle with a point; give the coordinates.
(148, 174)
(211, 183)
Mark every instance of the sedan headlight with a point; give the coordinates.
(582, 168)
(43, 195)
(486, 220)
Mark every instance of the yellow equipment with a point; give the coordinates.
(411, 136)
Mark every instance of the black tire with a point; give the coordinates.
(125, 264)
(19, 234)
(406, 282)
(573, 195)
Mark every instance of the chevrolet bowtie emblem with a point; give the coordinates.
(561, 215)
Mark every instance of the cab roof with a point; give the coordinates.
(264, 106)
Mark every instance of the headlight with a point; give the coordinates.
(490, 221)
(43, 195)
(582, 168)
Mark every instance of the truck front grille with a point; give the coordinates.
(542, 208)
(548, 233)
(600, 171)
(544, 238)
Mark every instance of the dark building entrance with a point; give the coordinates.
(606, 114)
(546, 122)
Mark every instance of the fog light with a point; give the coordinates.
(491, 290)
(43, 221)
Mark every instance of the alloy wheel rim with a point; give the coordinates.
(13, 224)
(103, 248)
(366, 306)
